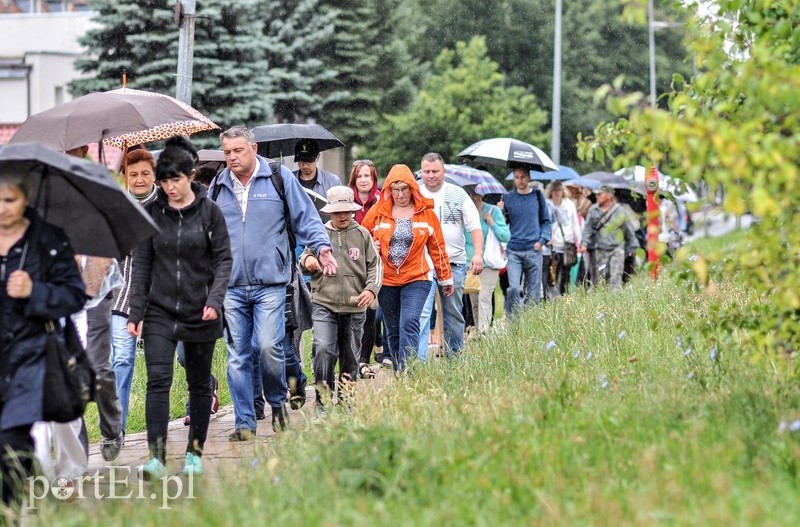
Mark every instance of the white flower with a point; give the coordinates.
(691, 375)
(600, 316)
(782, 426)
(550, 345)
(687, 352)
(576, 354)
(621, 334)
(589, 355)
(794, 426)
(713, 354)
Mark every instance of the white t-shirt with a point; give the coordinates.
(456, 213)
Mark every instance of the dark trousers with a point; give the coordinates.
(371, 338)
(336, 338)
(98, 350)
(16, 464)
(159, 354)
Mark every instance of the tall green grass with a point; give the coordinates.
(586, 411)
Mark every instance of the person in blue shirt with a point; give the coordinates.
(262, 266)
(531, 228)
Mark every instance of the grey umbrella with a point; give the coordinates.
(80, 197)
(278, 140)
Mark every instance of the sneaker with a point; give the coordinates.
(109, 448)
(260, 415)
(187, 421)
(242, 434)
(387, 363)
(193, 465)
(153, 470)
(279, 419)
(297, 393)
(214, 396)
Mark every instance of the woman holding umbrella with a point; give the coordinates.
(180, 277)
(39, 281)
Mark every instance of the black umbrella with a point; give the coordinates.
(507, 152)
(319, 201)
(278, 140)
(80, 197)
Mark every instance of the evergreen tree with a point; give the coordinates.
(139, 36)
(373, 67)
(294, 35)
(231, 84)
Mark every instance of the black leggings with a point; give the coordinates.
(15, 466)
(159, 354)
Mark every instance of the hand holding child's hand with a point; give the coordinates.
(312, 264)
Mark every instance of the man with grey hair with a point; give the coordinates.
(255, 212)
(458, 215)
(608, 231)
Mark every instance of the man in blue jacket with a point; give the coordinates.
(262, 266)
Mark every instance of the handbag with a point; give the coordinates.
(570, 250)
(494, 252)
(69, 380)
(472, 284)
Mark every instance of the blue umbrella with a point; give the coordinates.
(591, 184)
(563, 173)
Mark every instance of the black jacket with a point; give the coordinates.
(182, 269)
(57, 292)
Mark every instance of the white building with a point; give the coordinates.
(38, 46)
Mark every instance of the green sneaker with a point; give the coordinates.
(193, 466)
(153, 470)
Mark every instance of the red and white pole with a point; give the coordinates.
(653, 223)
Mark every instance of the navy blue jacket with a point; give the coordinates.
(259, 242)
(58, 292)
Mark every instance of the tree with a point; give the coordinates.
(230, 82)
(374, 71)
(137, 36)
(296, 33)
(465, 100)
(734, 126)
(597, 45)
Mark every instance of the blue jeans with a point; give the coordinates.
(401, 306)
(425, 323)
(452, 316)
(255, 317)
(527, 264)
(123, 355)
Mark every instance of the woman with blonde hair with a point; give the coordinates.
(566, 230)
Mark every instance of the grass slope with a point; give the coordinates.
(586, 411)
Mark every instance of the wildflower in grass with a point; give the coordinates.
(713, 354)
(679, 342)
(576, 354)
(782, 426)
(621, 334)
(550, 345)
(691, 375)
(795, 426)
(687, 352)
(692, 258)
(600, 316)
(589, 355)
(603, 381)
(254, 463)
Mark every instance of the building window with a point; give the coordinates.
(59, 95)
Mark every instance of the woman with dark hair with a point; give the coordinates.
(364, 182)
(180, 277)
(39, 282)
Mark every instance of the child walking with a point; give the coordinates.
(340, 301)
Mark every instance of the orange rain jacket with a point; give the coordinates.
(427, 233)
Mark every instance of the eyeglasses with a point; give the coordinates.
(401, 190)
(367, 162)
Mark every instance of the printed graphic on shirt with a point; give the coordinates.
(353, 253)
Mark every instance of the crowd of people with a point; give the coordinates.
(244, 255)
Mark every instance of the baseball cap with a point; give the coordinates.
(306, 150)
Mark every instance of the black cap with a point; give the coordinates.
(306, 150)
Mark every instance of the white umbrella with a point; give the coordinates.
(507, 152)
